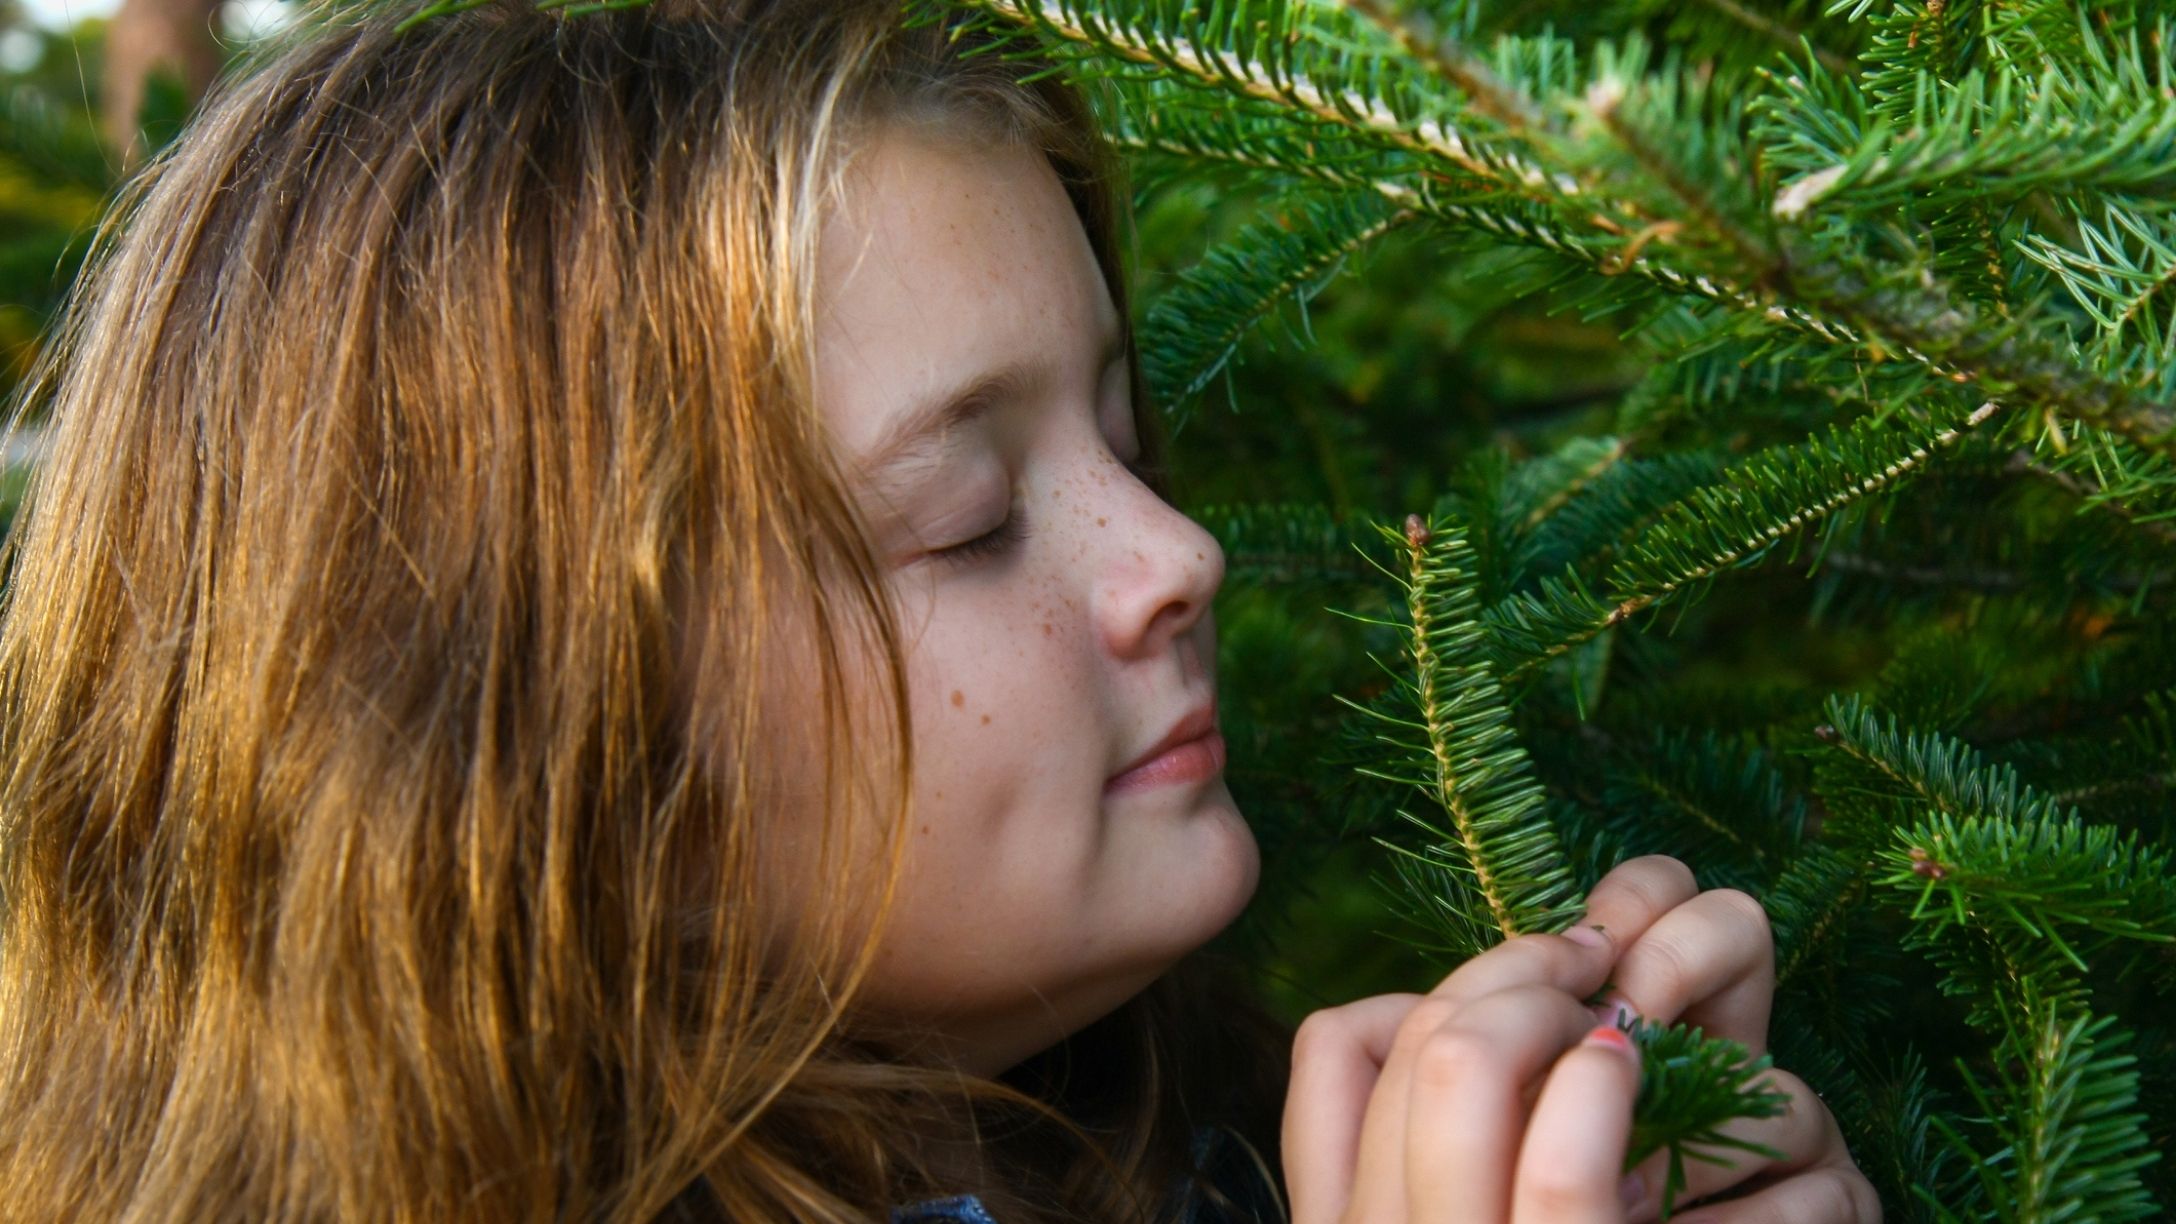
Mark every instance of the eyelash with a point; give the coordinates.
(1004, 536)
(1013, 529)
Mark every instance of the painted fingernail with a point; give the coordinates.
(1609, 1035)
(1591, 936)
(1632, 1189)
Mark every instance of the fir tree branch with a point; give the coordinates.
(1691, 1085)
(2071, 1139)
(1809, 905)
(2040, 875)
(1416, 35)
(1195, 327)
(1611, 452)
(1183, 121)
(1261, 62)
(2138, 478)
(1452, 738)
(2161, 781)
(1717, 528)
(1774, 31)
(1707, 798)
(1994, 581)
(1283, 542)
(1697, 193)
(2119, 290)
(1998, 849)
(1826, 296)
(1999, 358)
(1539, 231)
(1978, 138)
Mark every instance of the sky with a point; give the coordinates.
(57, 14)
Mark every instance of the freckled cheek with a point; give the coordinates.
(984, 666)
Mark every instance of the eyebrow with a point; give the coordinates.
(916, 432)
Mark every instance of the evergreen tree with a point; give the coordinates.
(1847, 585)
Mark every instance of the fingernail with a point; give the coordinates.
(1609, 1035)
(1632, 1189)
(1591, 936)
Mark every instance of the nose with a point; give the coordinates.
(1161, 572)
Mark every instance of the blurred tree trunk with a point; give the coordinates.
(144, 36)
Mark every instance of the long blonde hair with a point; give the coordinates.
(369, 846)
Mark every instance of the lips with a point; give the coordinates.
(1190, 748)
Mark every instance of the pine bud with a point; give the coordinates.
(1923, 864)
(1416, 531)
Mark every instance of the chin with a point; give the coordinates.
(1237, 861)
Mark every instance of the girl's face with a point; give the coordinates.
(1054, 610)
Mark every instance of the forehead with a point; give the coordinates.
(944, 261)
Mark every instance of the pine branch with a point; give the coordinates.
(2071, 1139)
(1304, 56)
(1810, 903)
(1992, 137)
(1999, 851)
(1717, 528)
(2121, 277)
(2105, 472)
(1451, 737)
(1691, 1086)
(1283, 543)
(1709, 800)
(1195, 327)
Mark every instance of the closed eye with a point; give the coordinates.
(990, 544)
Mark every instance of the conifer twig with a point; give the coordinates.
(1639, 598)
(1433, 137)
(1428, 669)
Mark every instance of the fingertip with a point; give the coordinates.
(1609, 1036)
(1579, 1130)
(1588, 936)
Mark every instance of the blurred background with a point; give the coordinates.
(88, 89)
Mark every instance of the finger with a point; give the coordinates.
(1626, 901)
(1634, 894)
(1805, 1132)
(1571, 1161)
(1465, 1110)
(1337, 1059)
(1830, 1194)
(1576, 962)
(1709, 962)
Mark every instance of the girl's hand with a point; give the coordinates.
(1480, 1101)
(1710, 962)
